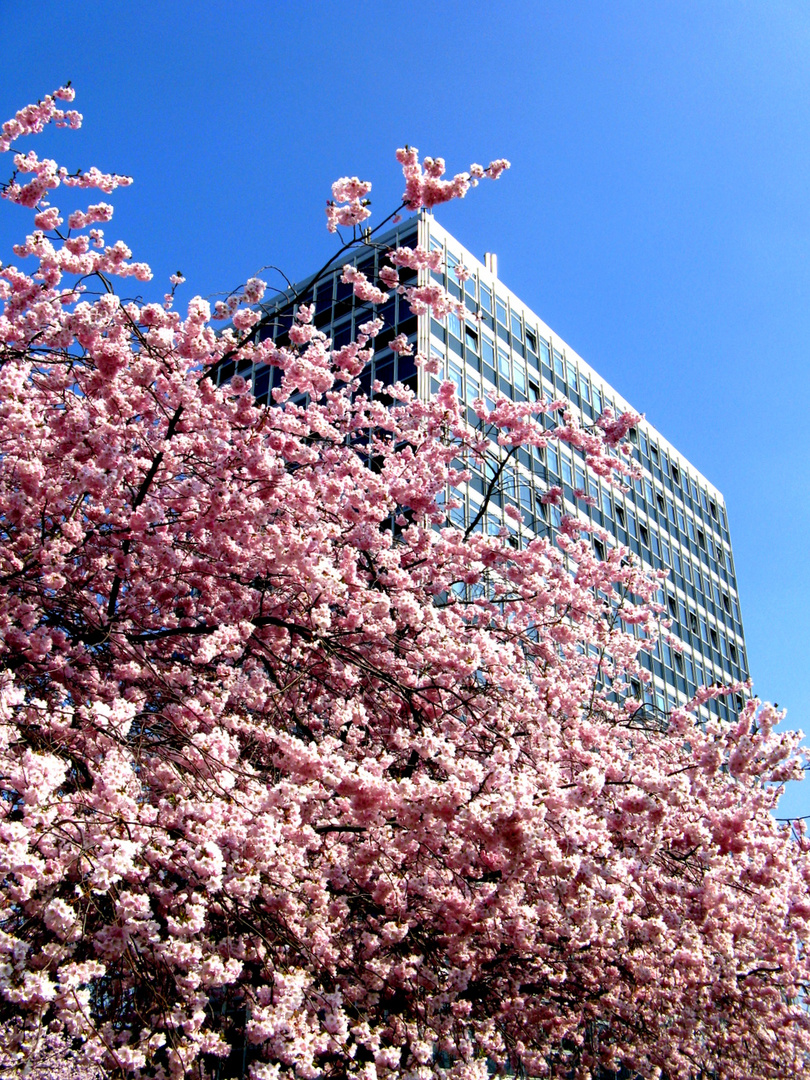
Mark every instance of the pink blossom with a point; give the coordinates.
(371, 328)
(362, 287)
(389, 277)
(424, 185)
(352, 214)
(401, 345)
(106, 182)
(245, 319)
(350, 188)
(495, 168)
(433, 298)
(416, 258)
(48, 219)
(299, 771)
(99, 212)
(34, 118)
(616, 428)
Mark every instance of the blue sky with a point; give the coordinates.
(657, 215)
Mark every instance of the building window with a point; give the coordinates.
(455, 375)
(500, 309)
(551, 456)
(438, 354)
(520, 376)
(325, 292)
(486, 299)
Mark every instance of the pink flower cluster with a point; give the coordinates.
(350, 188)
(99, 212)
(389, 277)
(616, 428)
(362, 287)
(416, 258)
(352, 192)
(424, 185)
(34, 118)
(401, 345)
(296, 773)
(432, 298)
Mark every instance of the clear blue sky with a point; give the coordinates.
(657, 215)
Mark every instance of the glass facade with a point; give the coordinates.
(671, 517)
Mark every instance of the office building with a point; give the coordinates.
(672, 517)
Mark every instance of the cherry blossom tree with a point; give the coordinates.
(301, 780)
